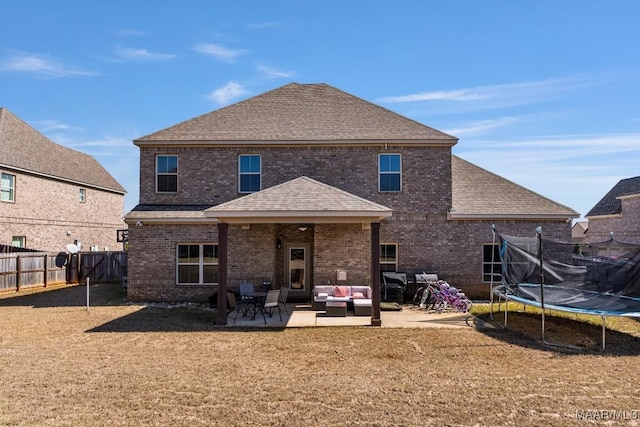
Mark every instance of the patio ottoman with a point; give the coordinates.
(336, 308)
(362, 307)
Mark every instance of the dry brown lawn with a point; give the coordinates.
(125, 364)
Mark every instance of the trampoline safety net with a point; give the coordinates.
(599, 277)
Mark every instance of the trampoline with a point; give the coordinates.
(602, 279)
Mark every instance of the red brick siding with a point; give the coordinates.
(625, 228)
(45, 209)
(427, 240)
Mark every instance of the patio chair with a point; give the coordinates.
(245, 288)
(393, 285)
(271, 302)
(232, 306)
(282, 300)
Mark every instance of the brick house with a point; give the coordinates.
(304, 180)
(51, 195)
(618, 212)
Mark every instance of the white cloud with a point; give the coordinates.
(141, 54)
(508, 94)
(106, 142)
(261, 25)
(575, 170)
(129, 33)
(228, 92)
(44, 65)
(219, 52)
(272, 72)
(53, 125)
(481, 126)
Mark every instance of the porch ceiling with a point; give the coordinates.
(300, 200)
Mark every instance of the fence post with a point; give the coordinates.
(46, 269)
(18, 273)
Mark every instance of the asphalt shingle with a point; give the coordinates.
(477, 191)
(24, 148)
(610, 204)
(301, 112)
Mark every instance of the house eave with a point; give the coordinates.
(629, 196)
(606, 216)
(62, 179)
(289, 217)
(298, 143)
(513, 217)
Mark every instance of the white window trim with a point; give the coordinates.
(156, 174)
(22, 239)
(389, 173)
(82, 195)
(12, 188)
(397, 255)
(200, 264)
(240, 173)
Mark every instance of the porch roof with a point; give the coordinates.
(300, 200)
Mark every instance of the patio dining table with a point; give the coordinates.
(258, 302)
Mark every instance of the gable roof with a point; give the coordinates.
(301, 113)
(478, 193)
(299, 200)
(610, 204)
(25, 149)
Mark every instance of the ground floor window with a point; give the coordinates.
(491, 262)
(19, 241)
(388, 257)
(197, 264)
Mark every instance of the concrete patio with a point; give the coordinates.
(303, 316)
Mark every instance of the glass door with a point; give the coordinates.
(297, 267)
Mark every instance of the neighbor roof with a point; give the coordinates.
(610, 204)
(479, 193)
(25, 149)
(301, 199)
(299, 113)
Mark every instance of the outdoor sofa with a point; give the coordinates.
(359, 297)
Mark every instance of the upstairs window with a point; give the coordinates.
(249, 173)
(389, 172)
(7, 187)
(82, 195)
(167, 174)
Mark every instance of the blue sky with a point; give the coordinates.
(544, 93)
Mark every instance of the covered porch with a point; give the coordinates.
(302, 315)
(314, 229)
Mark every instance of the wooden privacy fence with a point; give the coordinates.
(31, 269)
(103, 266)
(28, 270)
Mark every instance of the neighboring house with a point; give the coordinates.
(304, 180)
(618, 212)
(578, 232)
(52, 196)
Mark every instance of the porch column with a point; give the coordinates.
(223, 229)
(375, 274)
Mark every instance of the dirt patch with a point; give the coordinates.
(131, 364)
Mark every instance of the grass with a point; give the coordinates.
(131, 364)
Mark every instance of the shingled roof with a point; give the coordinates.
(300, 113)
(480, 193)
(25, 149)
(610, 204)
(301, 199)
